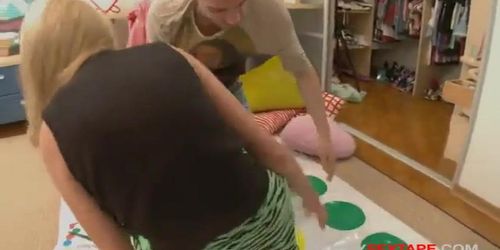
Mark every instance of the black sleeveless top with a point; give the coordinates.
(138, 131)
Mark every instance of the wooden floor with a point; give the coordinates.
(470, 213)
(415, 127)
(395, 106)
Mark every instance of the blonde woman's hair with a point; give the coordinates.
(57, 36)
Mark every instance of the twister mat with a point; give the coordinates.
(354, 221)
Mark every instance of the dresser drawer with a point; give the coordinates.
(11, 109)
(458, 93)
(8, 80)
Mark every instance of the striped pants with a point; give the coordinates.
(271, 228)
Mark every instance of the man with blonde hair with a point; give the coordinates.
(254, 27)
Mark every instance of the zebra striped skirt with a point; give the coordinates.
(271, 228)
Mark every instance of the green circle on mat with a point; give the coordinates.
(318, 184)
(381, 238)
(344, 215)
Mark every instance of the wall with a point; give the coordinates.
(113, 8)
(481, 170)
(309, 27)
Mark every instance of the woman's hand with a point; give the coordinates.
(310, 199)
(327, 157)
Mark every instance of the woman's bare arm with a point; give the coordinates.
(103, 231)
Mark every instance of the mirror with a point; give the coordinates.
(418, 78)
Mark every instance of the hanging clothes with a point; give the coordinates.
(448, 30)
(414, 19)
(397, 19)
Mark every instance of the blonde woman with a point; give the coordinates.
(146, 144)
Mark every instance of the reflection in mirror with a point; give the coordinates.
(418, 78)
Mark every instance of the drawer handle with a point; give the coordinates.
(2, 76)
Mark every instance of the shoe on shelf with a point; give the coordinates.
(347, 34)
(349, 37)
(354, 40)
(361, 40)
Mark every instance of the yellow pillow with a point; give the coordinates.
(271, 87)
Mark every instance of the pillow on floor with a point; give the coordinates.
(300, 135)
(270, 87)
(333, 104)
(273, 121)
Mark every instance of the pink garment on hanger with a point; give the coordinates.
(390, 13)
(137, 24)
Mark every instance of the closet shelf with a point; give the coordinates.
(312, 34)
(358, 47)
(354, 11)
(303, 6)
(377, 45)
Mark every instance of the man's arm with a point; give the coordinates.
(310, 88)
(264, 147)
(288, 47)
